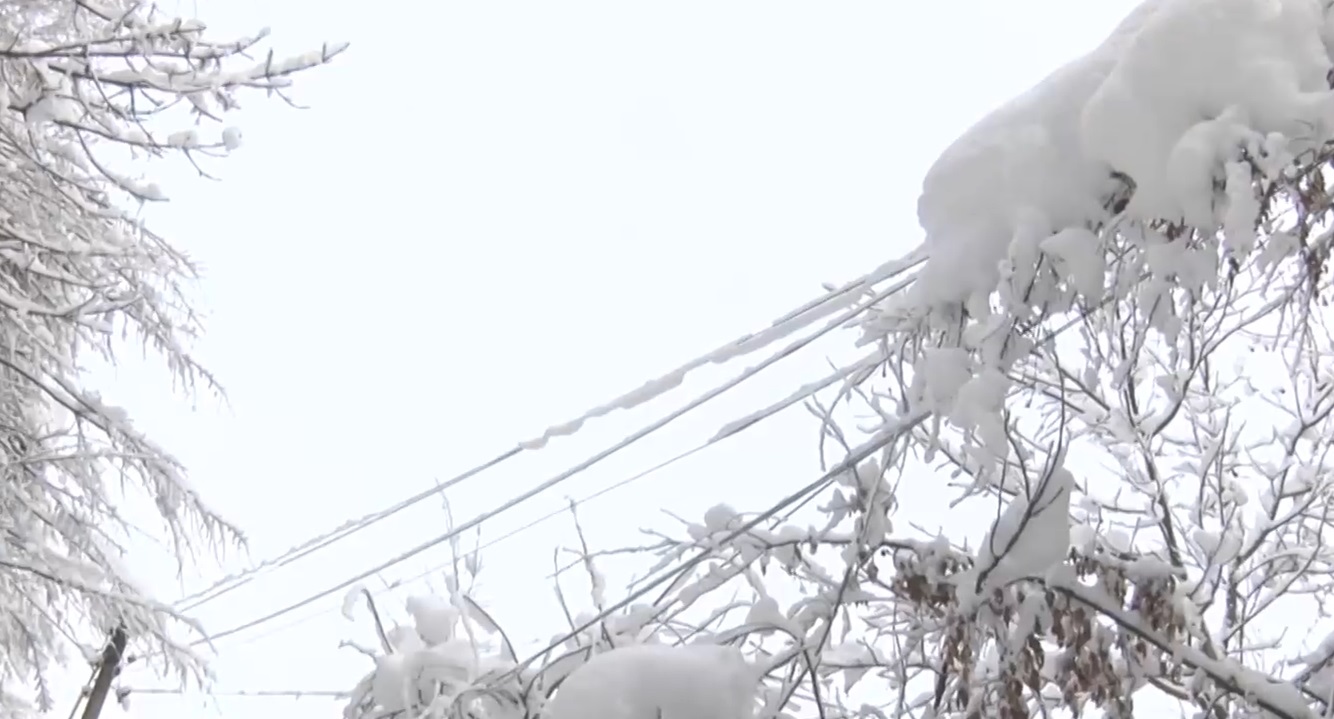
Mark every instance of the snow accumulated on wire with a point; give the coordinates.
(832, 303)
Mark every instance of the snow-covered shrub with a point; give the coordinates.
(454, 660)
(442, 663)
(431, 669)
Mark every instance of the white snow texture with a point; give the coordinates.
(1027, 540)
(654, 681)
(1165, 100)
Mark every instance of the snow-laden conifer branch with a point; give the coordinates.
(89, 93)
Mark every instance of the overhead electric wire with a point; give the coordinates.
(234, 581)
(904, 424)
(508, 535)
(730, 429)
(855, 457)
(347, 528)
(244, 693)
(883, 438)
(792, 348)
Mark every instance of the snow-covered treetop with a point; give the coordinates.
(90, 91)
(1177, 89)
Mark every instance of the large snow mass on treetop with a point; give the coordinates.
(1165, 100)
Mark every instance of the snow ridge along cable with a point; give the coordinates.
(747, 344)
(787, 351)
(728, 430)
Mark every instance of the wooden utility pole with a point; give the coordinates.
(106, 671)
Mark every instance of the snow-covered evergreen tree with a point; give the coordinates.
(1113, 348)
(90, 92)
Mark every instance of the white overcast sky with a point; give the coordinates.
(497, 214)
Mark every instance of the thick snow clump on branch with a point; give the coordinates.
(656, 681)
(1175, 91)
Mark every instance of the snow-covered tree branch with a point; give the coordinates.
(90, 91)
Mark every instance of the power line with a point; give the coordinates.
(451, 534)
(906, 425)
(784, 326)
(227, 584)
(508, 535)
(250, 693)
(883, 438)
(854, 457)
(743, 345)
(791, 349)
(731, 429)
